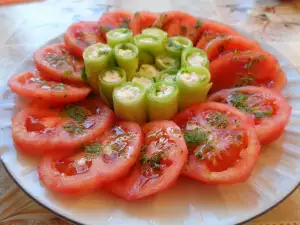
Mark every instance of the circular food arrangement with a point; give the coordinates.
(131, 102)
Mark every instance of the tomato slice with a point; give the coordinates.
(57, 63)
(177, 23)
(41, 128)
(80, 35)
(112, 20)
(142, 20)
(221, 45)
(280, 80)
(210, 30)
(32, 85)
(269, 109)
(163, 156)
(223, 146)
(235, 69)
(107, 158)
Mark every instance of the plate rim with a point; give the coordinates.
(68, 219)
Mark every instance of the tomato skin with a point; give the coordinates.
(269, 128)
(136, 185)
(257, 68)
(58, 64)
(80, 35)
(39, 128)
(100, 171)
(241, 170)
(30, 85)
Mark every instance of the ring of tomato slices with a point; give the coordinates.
(269, 108)
(58, 64)
(162, 158)
(222, 142)
(103, 160)
(32, 85)
(41, 128)
(80, 35)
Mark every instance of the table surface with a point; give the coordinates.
(25, 27)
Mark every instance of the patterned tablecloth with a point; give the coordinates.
(25, 27)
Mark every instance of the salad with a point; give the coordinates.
(131, 102)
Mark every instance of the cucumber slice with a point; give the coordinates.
(110, 79)
(168, 75)
(194, 57)
(127, 57)
(155, 32)
(130, 102)
(193, 84)
(175, 45)
(162, 101)
(164, 62)
(149, 71)
(96, 59)
(149, 43)
(146, 58)
(143, 81)
(119, 36)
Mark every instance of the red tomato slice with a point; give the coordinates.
(160, 164)
(80, 35)
(221, 45)
(206, 37)
(32, 85)
(235, 69)
(279, 81)
(107, 158)
(57, 63)
(211, 30)
(112, 20)
(177, 23)
(142, 20)
(223, 146)
(40, 128)
(269, 109)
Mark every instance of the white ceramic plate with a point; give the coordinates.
(275, 177)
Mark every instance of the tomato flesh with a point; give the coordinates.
(162, 158)
(142, 20)
(235, 69)
(222, 45)
(268, 108)
(210, 30)
(227, 151)
(80, 35)
(105, 159)
(34, 86)
(112, 20)
(71, 167)
(218, 137)
(178, 23)
(41, 128)
(58, 64)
